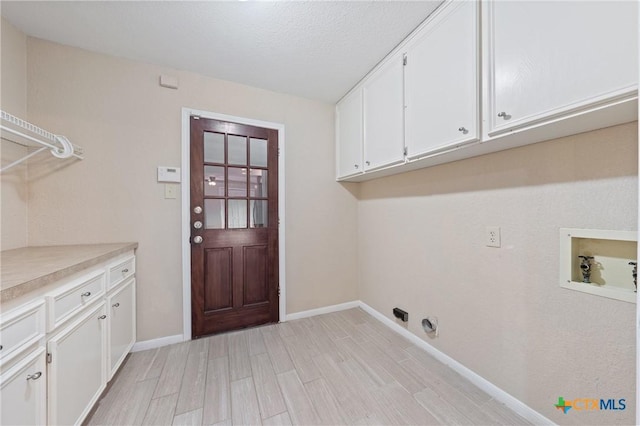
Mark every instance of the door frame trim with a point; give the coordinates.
(185, 189)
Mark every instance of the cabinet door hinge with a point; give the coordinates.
(404, 60)
(196, 117)
(278, 291)
(48, 358)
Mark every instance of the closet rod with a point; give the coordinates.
(59, 145)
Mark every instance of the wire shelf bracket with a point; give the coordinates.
(26, 134)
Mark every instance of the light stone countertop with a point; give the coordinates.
(26, 269)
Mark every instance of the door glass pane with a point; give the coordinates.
(258, 152)
(213, 214)
(213, 147)
(258, 184)
(214, 183)
(237, 150)
(237, 214)
(237, 182)
(259, 214)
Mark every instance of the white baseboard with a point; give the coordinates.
(324, 310)
(500, 395)
(157, 343)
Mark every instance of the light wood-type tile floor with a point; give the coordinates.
(333, 369)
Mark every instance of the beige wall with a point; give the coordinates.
(501, 311)
(13, 99)
(128, 126)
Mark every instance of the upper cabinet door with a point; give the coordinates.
(349, 134)
(441, 81)
(384, 115)
(550, 59)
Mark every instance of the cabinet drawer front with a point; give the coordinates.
(21, 328)
(121, 271)
(72, 299)
(23, 391)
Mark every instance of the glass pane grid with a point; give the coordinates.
(235, 181)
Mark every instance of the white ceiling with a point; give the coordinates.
(313, 49)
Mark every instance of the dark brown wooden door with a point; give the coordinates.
(234, 226)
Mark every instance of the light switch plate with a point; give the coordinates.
(170, 191)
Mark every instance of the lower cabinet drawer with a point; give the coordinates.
(121, 271)
(21, 327)
(23, 391)
(69, 300)
(77, 372)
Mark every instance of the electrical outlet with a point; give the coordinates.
(492, 236)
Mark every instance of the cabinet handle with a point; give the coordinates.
(463, 130)
(116, 305)
(87, 294)
(504, 115)
(356, 166)
(368, 163)
(102, 317)
(1, 347)
(124, 271)
(35, 376)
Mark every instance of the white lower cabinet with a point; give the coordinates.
(23, 391)
(78, 367)
(88, 336)
(121, 305)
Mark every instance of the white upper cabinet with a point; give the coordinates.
(483, 76)
(549, 59)
(384, 115)
(441, 81)
(349, 134)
